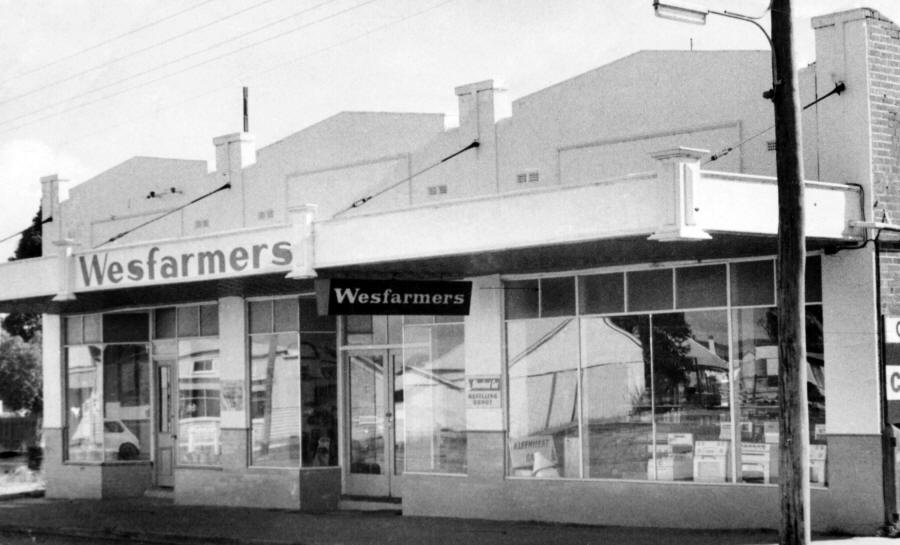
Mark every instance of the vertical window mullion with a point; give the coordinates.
(652, 394)
(732, 391)
(579, 385)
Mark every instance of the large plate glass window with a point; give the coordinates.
(108, 387)
(433, 395)
(293, 388)
(659, 374)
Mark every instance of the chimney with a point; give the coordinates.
(477, 109)
(234, 153)
(51, 231)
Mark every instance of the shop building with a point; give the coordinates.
(563, 315)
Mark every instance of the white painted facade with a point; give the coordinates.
(606, 172)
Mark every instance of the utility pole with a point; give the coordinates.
(792, 373)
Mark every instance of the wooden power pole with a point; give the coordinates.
(794, 422)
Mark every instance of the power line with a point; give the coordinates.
(150, 82)
(177, 60)
(163, 215)
(839, 88)
(105, 42)
(359, 202)
(14, 235)
(133, 53)
(268, 69)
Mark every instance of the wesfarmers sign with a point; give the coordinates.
(222, 256)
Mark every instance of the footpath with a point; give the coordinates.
(153, 520)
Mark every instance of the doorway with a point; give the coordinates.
(376, 419)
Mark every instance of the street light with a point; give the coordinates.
(684, 12)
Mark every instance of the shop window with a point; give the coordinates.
(126, 402)
(602, 293)
(119, 327)
(92, 328)
(261, 316)
(662, 394)
(373, 330)
(618, 415)
(275, 399)
(756, 347)
(199, 401)
(521, 299)
(700, 287)
(753, 283)
(557, 297)
(433, 397)
(84, 402)
(813, 279)
(293, 390)
(543, 427)
(107, 387)
(164, 320)
(691, 394)
(649, 290)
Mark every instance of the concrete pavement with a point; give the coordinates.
(160, 521)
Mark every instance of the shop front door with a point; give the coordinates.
(165, 423)
(375, 449)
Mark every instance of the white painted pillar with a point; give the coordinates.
(484, 347)
(52, 368)
(232, 361)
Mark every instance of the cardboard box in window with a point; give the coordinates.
(711, 461)
(525, 451)
(680, 443)
(674, 467)
(756, 462)
(817, 456)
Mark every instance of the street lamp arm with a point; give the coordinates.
(753, 21)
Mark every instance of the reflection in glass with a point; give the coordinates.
(318, 367)
(399, 413)
(274, 400)
(756, 348)
(126, 402)
(199, 399)
(434, 393)
(542, 358)
(617, 409)
(366, 392)
(84, 416)
(691, 394)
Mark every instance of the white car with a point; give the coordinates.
(119, 443)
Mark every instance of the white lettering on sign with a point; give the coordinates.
(891, 329)
(892, 384)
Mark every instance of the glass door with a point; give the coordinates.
(375, 423)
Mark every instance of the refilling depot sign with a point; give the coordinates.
(345, 296)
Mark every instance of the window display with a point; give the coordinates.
(630, 388)
(108, 387)
(293, 388)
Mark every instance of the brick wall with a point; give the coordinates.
(884, 96)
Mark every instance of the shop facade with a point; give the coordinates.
(564, 315)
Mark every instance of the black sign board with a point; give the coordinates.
(342, 296)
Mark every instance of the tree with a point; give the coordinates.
(20, 373)
(26, 324)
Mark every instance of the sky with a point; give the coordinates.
(88, 84)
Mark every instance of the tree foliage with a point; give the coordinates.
(20, 372)
(26, 324)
